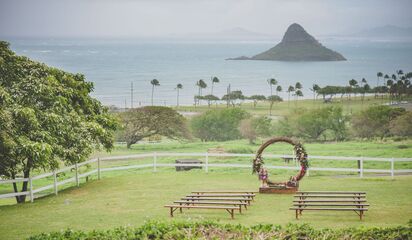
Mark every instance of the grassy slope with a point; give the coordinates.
(131, 197)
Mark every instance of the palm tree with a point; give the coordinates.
(278, 89)
(353, 83)
(298, 93)
(178, 87)
(399, 72)
(154, 83)
(379, 75)
(315, 88)
(272, 82)
(201, 84)
(214, 80)
(290, 89)
(363, 84)
(298, 86)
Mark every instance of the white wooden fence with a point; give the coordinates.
(206, 165)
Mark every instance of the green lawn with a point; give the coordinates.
(285, 107)
(131, 197)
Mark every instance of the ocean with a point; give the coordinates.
(112, 65)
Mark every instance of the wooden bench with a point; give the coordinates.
(189, 202)
(223, 191)
(330, 201)
(246, 200)
(227, 195)
(229, 209)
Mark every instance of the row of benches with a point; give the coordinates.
(330, 201)
(230, 201)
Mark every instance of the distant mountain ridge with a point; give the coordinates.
(297, 45)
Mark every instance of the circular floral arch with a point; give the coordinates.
(300, 153)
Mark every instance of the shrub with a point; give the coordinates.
(218, 125)
(374, 121)
(401, 125)
(314, 124)
(247, 130)
(212, 230)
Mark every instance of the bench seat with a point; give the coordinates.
(189, 202)
(229, 209)
(246, 200)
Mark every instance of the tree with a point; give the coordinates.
(374, 121)
(47, 117)
(214, 80)
(154, 83)
(256, 99)
(210, 98)
(272, 100)
(262, 126)
(178, 87)
(298, 94)
(290, 89)
(148, 121)
(315, 89)
(353, 84)
(201, 85)
(278, 89)
(218, 124)
(401, 125)
(272, 82)
(247, 130)
(233, 96)
(378, 75)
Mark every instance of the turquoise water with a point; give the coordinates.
(112, 65)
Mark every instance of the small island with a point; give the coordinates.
(296, 45)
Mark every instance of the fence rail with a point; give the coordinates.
(76, 179)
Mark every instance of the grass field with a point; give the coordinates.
(285, 107)
(131, 197)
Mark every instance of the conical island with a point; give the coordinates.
(297, 45)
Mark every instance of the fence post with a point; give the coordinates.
(154, 162)
(361, 167)
(392, 168)
(31, 190)
(98, 168)
(207, 162)
(77, 174)
(55, 182)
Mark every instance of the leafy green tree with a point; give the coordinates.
(272, 100)
(374, 121)
(46, 117)
(149, 121)
(210, 98)
(154, 83)
(256, 99)
(262, 126)
(218, 124)
(233, 96)
(278, 89)
(178, 87)
(298, 93)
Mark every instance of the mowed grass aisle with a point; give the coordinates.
(128, 198)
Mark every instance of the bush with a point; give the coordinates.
(324, 122)
(212, 230)
(402, 125)
(375, 121)
(218, 125)
(247, 130)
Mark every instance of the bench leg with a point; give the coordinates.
(245, 207)
(297, 214)
(240, 209)
(360, 215)
(232, 213)
(171, 212)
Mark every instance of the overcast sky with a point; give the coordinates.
(133, 18)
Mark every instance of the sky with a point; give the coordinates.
(154, 18)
